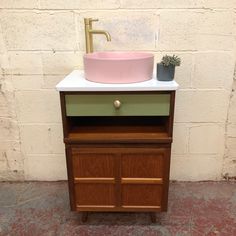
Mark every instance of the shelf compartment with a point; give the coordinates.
(118, 129)
(106, 134)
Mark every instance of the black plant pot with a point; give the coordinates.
(165, 73)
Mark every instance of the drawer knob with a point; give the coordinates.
(117, 104)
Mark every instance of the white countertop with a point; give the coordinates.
(76, 81)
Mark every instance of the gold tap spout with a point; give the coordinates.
(108, 36)
(89, 34)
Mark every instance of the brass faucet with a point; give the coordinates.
(89, 34)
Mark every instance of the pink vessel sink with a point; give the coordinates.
(118, 67)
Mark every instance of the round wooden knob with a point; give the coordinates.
(117, 104)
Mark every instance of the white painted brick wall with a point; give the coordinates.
(27, 82)
(24, 63)
(229, 164)
(197, 105)
(42, 139)
(195, 30)
(36, 30)
(206, 138)
(79, 4)
(45, 167)
(130, 30)
(217, 73)
(38, 106)
(43, 40)
(188, 4)
(60, 63)
(196, 167)
(22, 4)
(11, 158)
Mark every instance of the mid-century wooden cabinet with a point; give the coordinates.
(118, 147)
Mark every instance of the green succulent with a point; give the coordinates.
(170, 60)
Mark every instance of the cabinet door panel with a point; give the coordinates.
(141, 196)
(92, 164)
(95, 195)
(143, 164)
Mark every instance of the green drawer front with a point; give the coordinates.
(131, 105)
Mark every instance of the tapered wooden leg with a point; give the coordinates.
(84, 217)
(153, 217)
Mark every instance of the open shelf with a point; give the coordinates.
(118, 129)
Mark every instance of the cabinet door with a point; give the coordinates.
(143, 177)
(120, 179)
(94, 177)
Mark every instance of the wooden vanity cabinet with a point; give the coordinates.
(118, 160)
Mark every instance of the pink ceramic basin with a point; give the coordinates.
(118, 67)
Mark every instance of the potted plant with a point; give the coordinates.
(166, 69)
